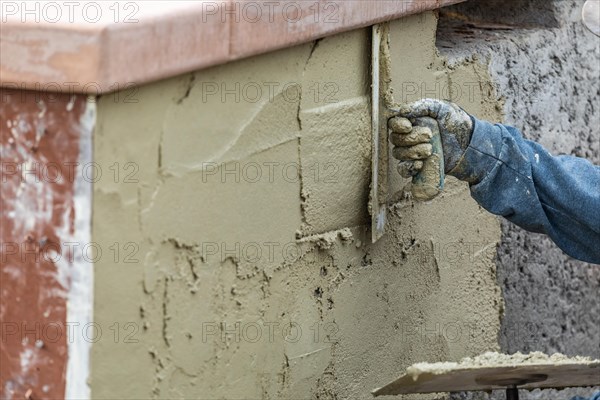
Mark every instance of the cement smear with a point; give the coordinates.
(245, 267)
(493, 359)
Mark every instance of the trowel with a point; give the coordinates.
(430, 181)
(511, 378)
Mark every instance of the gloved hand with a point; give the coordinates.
(412, 143)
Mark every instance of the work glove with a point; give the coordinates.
(412, 143)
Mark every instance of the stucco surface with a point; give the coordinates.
(268, 287)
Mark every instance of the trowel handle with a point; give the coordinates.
(429, 182)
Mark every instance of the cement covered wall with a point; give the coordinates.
(246, 268)
(546, 68)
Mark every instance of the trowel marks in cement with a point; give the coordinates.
(426, 291)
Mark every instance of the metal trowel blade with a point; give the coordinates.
(380, 113)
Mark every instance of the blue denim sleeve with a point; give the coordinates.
(595, 396)
(522, 182)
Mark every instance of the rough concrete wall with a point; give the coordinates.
(250, 270)
(547, 67)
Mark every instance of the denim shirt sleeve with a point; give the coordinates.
(521, 181)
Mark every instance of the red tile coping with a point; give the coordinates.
(102, 46)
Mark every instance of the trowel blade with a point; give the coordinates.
(380, 113)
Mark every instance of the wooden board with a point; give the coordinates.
(531, 376)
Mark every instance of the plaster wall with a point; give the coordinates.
(246, 269)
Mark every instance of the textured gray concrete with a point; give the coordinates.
(547, 69)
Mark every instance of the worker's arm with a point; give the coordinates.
(519, 180)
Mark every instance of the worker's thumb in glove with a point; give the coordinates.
(456, 126)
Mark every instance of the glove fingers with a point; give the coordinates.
(419, 134)
(408, 169)
(422, 108)
(417, 152)
(400, 125)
